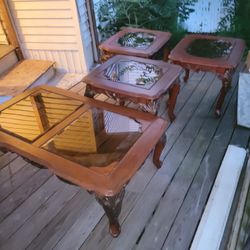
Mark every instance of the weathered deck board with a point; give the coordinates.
(22, 193)
(99, 236)
(187, 111)
(162, 221)
(27, 232)
(60, 224)
(161, 208)
(195, 200)
(14, 221)
(6, 159)
(169, 168)
(82, 227)
(163, 218)
(11, 168)
(184, 96)
(17, 180)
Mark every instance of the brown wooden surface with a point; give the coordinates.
(22, 76)
(156, 201)
(11, 34)
(111, 45)
(223, 66)
(5, 50)
(139, 94)
(90, 178)
(218, 65)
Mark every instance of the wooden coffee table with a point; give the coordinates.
(140, 80)
(95, 145)
(220, 55)
(134, 42)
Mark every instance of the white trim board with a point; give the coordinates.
(212, 225)
(243, 106)
(234, 237)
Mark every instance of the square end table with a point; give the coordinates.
(94, 145)
(140, 80)
(216, 54)
(134, 42)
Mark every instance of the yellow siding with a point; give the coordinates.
(49, 30)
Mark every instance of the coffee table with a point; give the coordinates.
(134, 42)
(142, 81)
(94, 145)
(217, 54)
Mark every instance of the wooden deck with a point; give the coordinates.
(161, 209)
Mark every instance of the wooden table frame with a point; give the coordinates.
(148, 99)
(110, 47)
(224, 66)
(108, 184)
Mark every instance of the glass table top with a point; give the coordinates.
(97, 138)
(36, 114)
(138, 40)
(209, 48)
(134, 73)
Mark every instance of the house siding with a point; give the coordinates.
(206, 16)
(3, 39)
(49, 30)
(85, 32)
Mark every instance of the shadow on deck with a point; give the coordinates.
(161, 209)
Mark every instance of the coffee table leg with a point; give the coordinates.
(158, 149)
(173, 93)
(112, 206)
(187, 71)
(121, 102)
(89, 92)
(226, 84)
(166, 53)
(4, 150)
(105, 55)
(151, 107)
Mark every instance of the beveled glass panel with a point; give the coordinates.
(134, 73)
(138, 40)
(36, 114)
(209, 48)
(97, 138)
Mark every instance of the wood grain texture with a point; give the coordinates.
(201, 185)
(20, 77)
(168, 197)
(50, 30)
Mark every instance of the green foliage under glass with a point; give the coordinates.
(209, 48)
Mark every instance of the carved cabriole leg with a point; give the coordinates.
(226, 85)
(187, 71)
(4, 150)
(151, 107)
(112, 206)
(173, 93)
(89, 92)
(121, 102)
(116, 97)
(105, 55)
(166, 53)
(158, 149)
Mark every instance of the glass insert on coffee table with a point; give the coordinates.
(142, 81)
(134, 42)
(85, 142)
(220, 55)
